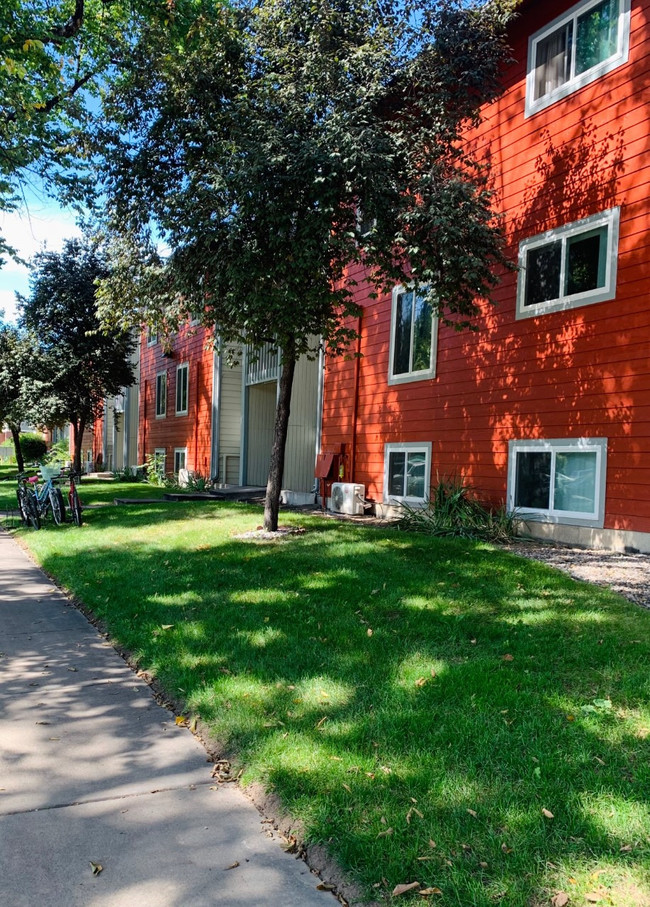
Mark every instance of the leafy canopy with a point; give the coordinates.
(53, 55)
(249, 138)
(75, 365)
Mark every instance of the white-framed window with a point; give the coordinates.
(180, 459)
(152, 336)
(160, 460)
(161, 395)
(583, 44)
(558, 481)
(407, 472)
(413, 337)
(570, 266)
(182, 389)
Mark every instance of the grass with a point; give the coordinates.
(416, 702)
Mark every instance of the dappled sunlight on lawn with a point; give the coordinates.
(397, 690)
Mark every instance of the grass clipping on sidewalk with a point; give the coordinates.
(432, 710)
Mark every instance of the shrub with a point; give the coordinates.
(129, 474)
(32, 446)
(59, 452)
(455, 509)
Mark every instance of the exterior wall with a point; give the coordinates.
(191, 431)
(300, 456)
(230, 423)
(579, 373)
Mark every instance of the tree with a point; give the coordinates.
(76, 365)
(14, 355)
(257, 139)
(52, 55)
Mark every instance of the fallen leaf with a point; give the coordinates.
(508, 657)
(570, 718)
(325, 886)
(369, 631)
(348, 788)
(420, 682)
(97, 868)
(232, 866)
(402, 889)
(473, 812)
(427, 892)
(166, 626)
(547, 813)
(505, 848)
(560, 899)
(626, 848)
(193, 723)
(181, 720)
(384, 834)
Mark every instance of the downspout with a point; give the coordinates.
(196, 418)
(216, 416)
(243, 468)
(319, 409)
(355, 403)
(144, 419)
(126, 426)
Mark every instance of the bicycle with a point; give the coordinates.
(27, 503)
(47, 494)
(73, 497)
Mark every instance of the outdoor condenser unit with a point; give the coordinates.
(347, 497)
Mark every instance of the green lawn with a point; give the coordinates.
(431, 710)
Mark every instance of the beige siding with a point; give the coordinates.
(230, 424)
(301, 439)
(261, 416)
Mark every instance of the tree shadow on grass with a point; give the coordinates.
(446, 691)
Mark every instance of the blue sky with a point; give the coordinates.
(40, 224)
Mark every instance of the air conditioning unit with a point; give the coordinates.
(346, 497)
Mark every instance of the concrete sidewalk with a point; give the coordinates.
(92, 770)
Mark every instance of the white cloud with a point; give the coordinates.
(41, 228)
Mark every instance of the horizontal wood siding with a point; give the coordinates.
(191, 431)
(582, 372)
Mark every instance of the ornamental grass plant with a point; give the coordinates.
(433, 710)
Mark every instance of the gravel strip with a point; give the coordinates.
(627, 574)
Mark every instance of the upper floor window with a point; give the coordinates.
(413, 337)
(152, 336)
(588, 41)
(571, 266)
(161, 394)
(182, 386)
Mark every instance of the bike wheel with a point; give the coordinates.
(57, 505)
(75, 506)
(22, 506)
(33, 515)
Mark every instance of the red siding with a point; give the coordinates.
(191, 431)
(581, 372)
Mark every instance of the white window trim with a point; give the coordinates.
(152, 337)
(424, 374)
(160, 459)
(579, 81)
(183, 366)
(609, 219)
(594, 520)
(163, 414)
(408, 447)
(179, 450)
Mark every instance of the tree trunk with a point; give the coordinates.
(15, 436)
(276, 466)
(77, 440)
